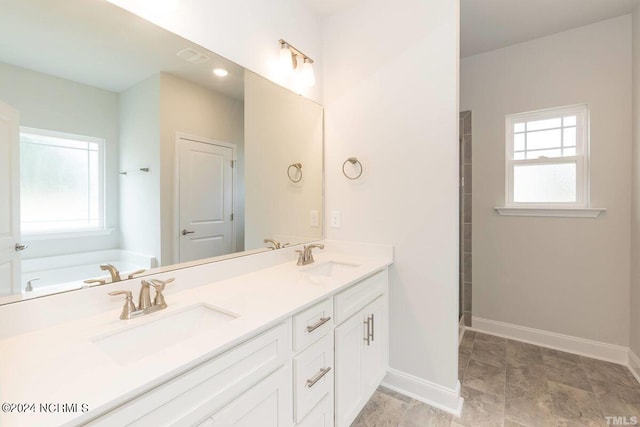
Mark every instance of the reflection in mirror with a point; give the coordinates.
(122, 151)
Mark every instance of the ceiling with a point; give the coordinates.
(492, 24)
(98, 44)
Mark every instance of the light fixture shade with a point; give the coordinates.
(308, 78)
(220, 72)
(286, 60)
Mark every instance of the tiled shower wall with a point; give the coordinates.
(465, 217)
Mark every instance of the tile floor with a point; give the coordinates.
(508, 383)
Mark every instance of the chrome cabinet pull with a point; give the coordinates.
(321, 322)
(19, 247)
(312, 381)
(372, 332)
(185, 232)
(367, 335)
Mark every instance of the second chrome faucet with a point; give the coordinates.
(145, 306)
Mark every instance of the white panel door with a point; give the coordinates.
(205, 192)
(9, 200)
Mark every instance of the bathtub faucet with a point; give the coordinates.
(115, 274)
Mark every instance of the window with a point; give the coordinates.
(547, 158)
(61, 182)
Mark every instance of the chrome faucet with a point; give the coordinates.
(113, 271)
(129, 311)
(305, 256)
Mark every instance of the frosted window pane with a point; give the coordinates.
(518, 142)
(544, 124)
(552, 183)
(569, 137)
(569, 121)
(518, 127)
(544, 153)
(59, 184)
(543, 139)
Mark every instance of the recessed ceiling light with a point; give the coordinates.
(220, 72)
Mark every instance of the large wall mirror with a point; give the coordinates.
(124, 145)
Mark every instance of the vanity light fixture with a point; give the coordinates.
(220, 72)
(289, 56)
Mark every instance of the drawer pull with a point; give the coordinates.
(372, 332)
(312, 381)
(367, 331)
(321, 322)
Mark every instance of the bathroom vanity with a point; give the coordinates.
(282, 345)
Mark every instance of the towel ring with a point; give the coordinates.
(353, 161)
(298, 167)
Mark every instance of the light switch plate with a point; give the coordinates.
(314, 218)
(335, 219)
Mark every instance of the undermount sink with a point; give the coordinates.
(134, 343)
(329, 268)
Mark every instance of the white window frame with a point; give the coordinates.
(75, 232)
(581, 157)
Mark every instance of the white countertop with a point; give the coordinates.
(61, 364)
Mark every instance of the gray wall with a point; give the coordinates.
(565, 275)
(52, 103)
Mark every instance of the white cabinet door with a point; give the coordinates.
(373, 354)
(267, 404)
(360, 359)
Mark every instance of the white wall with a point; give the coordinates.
(246, 32)
(281, 128)
(634, 340)
(195, 110)
(564, 275)
(140, 148)
(51, 103)
(391, 99)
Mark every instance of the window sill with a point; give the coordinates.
(67, 234)
(550, 212)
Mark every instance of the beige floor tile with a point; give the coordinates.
(569, 357)
(575, 405)
(486, 378)
(608, 372)
(421, 415)
(565, 372)
(534, 412)
(489, 352)
(382, 410)
(519, 353)
(480, 409)
(489, 338)
(526, 381)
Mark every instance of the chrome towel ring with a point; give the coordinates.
(353, 161)
(298, 167)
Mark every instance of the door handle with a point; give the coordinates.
(367, 333)
(20, 247)
(372, 332)
(185, 232)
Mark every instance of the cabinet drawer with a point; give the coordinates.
(312, 324)
(352, 300)
(313, 376)
(321, 415)
(192, 396)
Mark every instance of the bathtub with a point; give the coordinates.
(65, 272)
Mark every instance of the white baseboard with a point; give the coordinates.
(425, 391)
(634, 364)
(594, 349)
